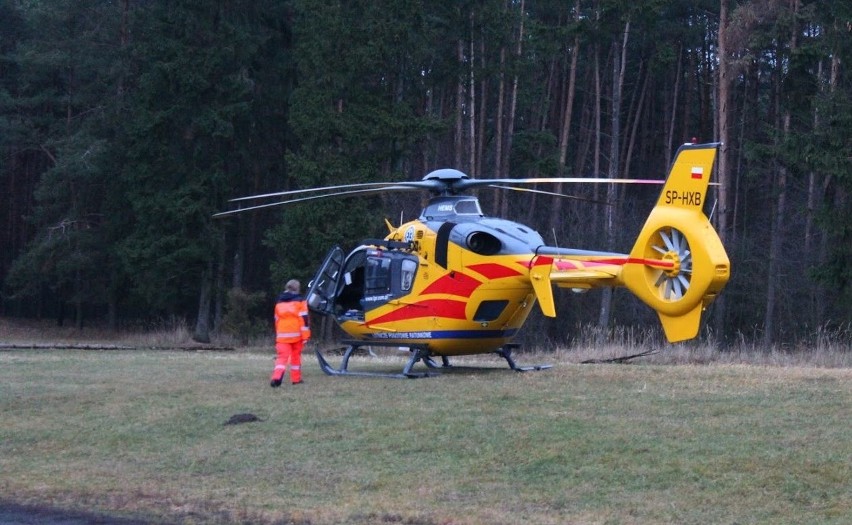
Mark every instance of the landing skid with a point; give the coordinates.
(418, 353)
(505, 352)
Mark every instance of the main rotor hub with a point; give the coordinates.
(448, 178)
(446, 175)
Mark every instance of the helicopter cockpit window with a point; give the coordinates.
(407, 269)
(468, 207)
(378, 275)
(454, 206)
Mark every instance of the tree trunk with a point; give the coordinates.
(721, 215)
(78, 300)
(778, 231)
(565, 130)
(812, 204)
(205, 296)
(670, 132)
(471, 117)
(634, 130)
(821, 303)
(817, 187)
(483, 98)
(619, 64)
(220, 296)
(459, 142)
(513, 106)
(598, 129)
(776, 241)
(498, 134)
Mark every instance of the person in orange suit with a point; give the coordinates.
(292, 331)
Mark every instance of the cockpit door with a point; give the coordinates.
(321, 290)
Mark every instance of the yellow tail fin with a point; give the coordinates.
(691, 266)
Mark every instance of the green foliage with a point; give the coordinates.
(125, 125)
(247, 315)
(826, 152)
(355, 114)
(307, 234)
(60, 107)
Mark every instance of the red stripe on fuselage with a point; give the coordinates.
(454, 283)
(448, 308)
(563, 265)
(566, 265)
(494, 271)
(542, 260)
(538, 260)
(658, 263)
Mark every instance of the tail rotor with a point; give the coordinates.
(673, 284)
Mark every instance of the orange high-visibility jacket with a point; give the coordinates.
(291, 322)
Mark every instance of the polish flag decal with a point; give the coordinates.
(697, 172)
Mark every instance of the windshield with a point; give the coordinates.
(453, 206)
(468, 207)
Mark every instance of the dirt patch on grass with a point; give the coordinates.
(14, 514)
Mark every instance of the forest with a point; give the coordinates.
(126, 124)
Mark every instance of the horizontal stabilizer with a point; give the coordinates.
(540, 277)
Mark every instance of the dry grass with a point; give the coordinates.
(761, 436)
(140, 434)
(825, 349)
(23, 331)
(170, 333)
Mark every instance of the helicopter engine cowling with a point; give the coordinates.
(490, 236)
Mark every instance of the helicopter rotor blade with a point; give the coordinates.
(429, 185)
(438, 186)
(464, 184)
(543, 192)
(374, 191)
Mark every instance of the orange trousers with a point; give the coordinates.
(289, 354)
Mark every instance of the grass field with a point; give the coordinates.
(140, 434)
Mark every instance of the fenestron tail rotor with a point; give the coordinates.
(672, 246)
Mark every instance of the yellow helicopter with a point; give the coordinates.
(456, 282)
